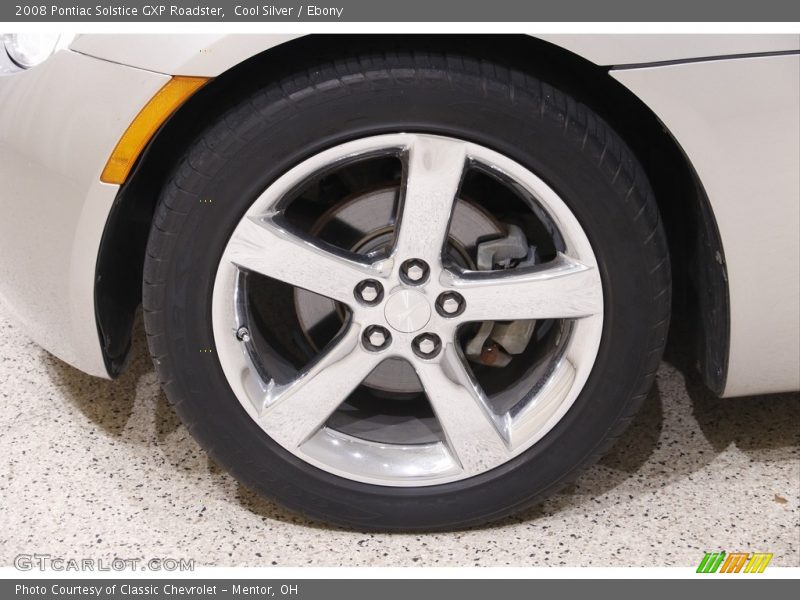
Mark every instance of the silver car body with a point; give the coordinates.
(55, 139)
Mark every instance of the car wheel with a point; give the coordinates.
(413, 291)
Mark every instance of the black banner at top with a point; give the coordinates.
(407, 10)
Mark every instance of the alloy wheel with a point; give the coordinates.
(415, 311)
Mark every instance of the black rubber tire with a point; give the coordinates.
(558, 138)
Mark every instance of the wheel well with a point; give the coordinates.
(700, 313)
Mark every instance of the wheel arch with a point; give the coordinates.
(700, 305)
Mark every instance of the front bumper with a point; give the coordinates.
(59, 122)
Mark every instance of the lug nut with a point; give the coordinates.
(243, 334)
(369, 292)
(414, 271)
(450, 304)
(376, 338)
(426, 345)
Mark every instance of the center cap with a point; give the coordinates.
(407, 311)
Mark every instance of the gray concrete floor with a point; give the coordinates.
(93, 468)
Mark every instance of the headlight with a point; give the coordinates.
(29, 49)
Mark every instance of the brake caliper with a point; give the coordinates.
(496, 341)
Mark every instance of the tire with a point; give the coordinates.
(264, 136)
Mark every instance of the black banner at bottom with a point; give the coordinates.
(386, 589)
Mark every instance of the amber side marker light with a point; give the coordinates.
(166, 101)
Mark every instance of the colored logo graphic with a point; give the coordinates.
(735, 562)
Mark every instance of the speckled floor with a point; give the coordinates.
(93, 468)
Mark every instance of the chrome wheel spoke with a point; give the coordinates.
(297, 410)
(263, 246)
(433, 175)
(474, 434)
(561, 289)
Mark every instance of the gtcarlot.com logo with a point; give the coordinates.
(48, 562)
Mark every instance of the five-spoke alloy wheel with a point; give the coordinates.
(408, 304)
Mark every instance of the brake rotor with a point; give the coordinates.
(365, 225)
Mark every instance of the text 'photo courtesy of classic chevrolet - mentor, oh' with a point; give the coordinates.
(405, 281)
